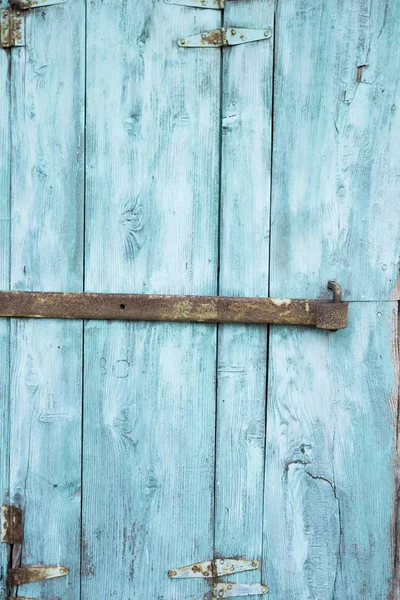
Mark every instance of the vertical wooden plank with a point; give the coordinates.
(4, 285)
(336, 137)
(46, 254)
(151, 226)
(330, 445)
(330, 419)
(244, 255)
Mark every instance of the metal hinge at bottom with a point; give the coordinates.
(230, 590)
(12, 534)
(24, 575)
(218, 568)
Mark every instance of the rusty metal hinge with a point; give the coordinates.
(220, 567)
(224, 36)
(323, 314)
(230, 589)
(12, 534)
(215, 568)
(12, 28)
(28, 574)
(11, 524)
(12, 21)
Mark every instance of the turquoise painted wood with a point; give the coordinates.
(244, 266)
(133, 165)
(46, 198)
(152, 194)
(330, 484)
(5, 144)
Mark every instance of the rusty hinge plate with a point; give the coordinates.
(224, 36)
(215, 568)
(231, 589)
(29, 4)
(12, 28)
(213, 4)
(323, 314)
(12, 20)
(28, 574)
(11, 524)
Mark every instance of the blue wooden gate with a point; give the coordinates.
(132, 164)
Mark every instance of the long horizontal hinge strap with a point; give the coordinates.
(231, 589)
(214, 568)
(24, 575)
(224, 36)
(323, 314)
(213, 4)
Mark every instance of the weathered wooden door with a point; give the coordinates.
(130, 164)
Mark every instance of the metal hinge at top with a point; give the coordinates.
(12, 28)
(224, 36)
(12, 22)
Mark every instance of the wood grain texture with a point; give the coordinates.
(330, 466)
(336, 137)
(47, 85)
(244, 251)
(5, 143)
(330, 444)
(151, 226)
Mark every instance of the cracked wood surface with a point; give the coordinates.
(336, 177)
(332, 402)
(244, 250)
(150, 397)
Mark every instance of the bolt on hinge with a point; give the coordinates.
(12, 20)
(224, 36)
(214, 568)
(213, 4)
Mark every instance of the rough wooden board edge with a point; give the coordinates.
(394, 593)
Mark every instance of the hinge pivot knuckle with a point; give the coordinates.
(12, 28)
(11, 525)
